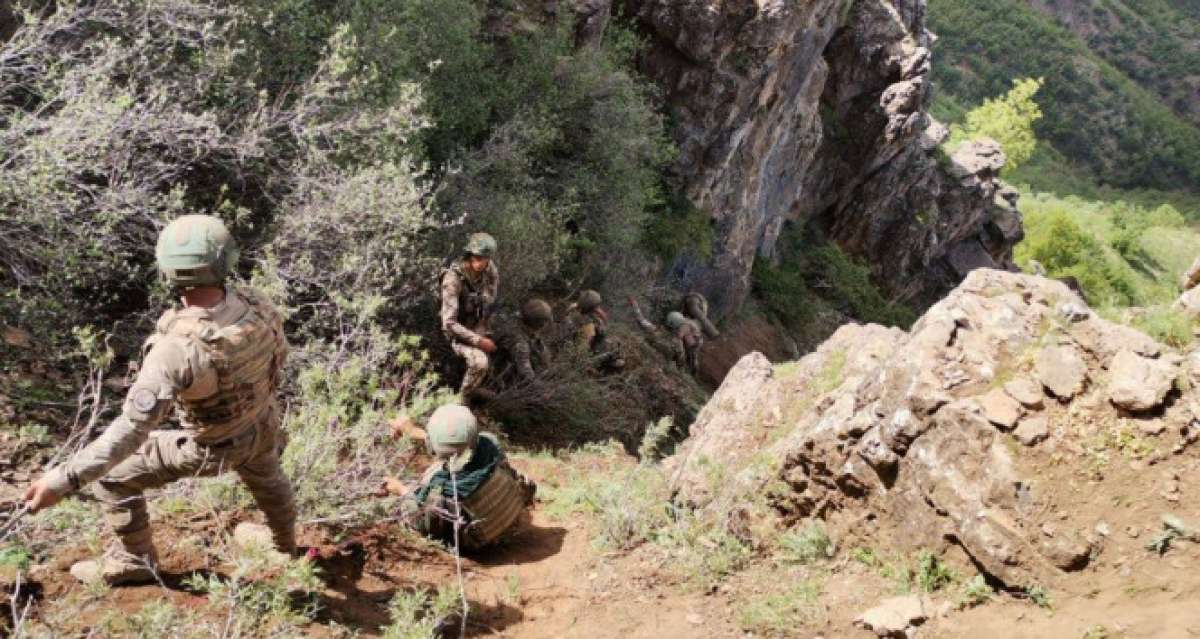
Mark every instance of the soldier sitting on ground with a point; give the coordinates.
(521, 340)
(469, 288)
(685, 341)
(591, 331)
(491, 494)
(217, 360)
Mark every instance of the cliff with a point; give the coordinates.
(816, 112)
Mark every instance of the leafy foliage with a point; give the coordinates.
(1008, 120)
(813, 274)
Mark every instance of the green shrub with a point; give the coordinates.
(975, 592)
(626, 510)
(1008, 120)
(419, 615)
(1167, 324)
(571, 171)
(807, 262)
(781, 614)
(805, 546)
(1061, 245)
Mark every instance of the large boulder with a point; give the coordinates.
(911, 431)
(1139, 383)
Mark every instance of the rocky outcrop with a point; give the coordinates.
(927, 433)
(815, 111)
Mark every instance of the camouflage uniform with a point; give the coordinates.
(591, 333)
(689, 339)
(219, 366)
(523, 349)
(466, 300)
(695, 307)
(493, 495)
(684, 344)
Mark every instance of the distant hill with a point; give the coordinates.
(1122, 79)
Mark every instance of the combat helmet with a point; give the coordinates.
(195, 250)
(675, 320)
(536, 313)
(589, 300)
(452, 434)
(481, 244)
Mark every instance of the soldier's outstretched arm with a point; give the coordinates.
(646, 324)
(166, 370)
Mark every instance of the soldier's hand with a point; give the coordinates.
(487, 345)
(39, 496)
(602, 313)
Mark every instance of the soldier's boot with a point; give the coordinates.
(134, 561)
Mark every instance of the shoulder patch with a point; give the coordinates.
(143, 399)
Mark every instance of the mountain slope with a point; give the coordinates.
(1095, 114)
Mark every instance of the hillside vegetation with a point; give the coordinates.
(1115, 126)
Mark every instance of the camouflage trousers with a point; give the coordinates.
(171, 455)
(477, 365)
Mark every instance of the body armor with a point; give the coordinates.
(494, 507)
(247, 356)
(474, 299)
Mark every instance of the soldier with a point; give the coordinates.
(469, 289)
(491, 493)
(591, 331)
(217, 360)
(695, 307)
(521, 339)
(687, 337)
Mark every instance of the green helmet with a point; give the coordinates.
(481, 244)
(675, 320)
(452, 434)
(589, 300)
(536, 313)
(195, 250)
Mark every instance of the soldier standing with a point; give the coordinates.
(471, 469)
(218, 360)
(469, 289)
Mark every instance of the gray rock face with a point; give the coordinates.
(893, 427)
(803, 111)
(1137, 383)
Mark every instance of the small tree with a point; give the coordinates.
(1008, 120)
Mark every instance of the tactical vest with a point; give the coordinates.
(494, 507)
(472, 297)
(247, 355)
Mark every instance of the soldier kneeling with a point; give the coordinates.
(471, 470)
